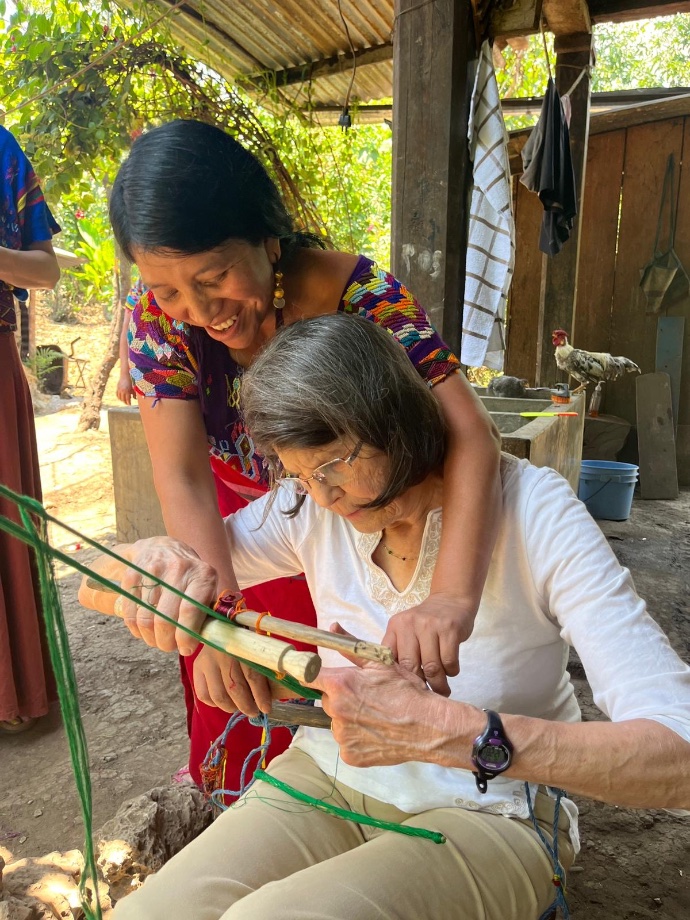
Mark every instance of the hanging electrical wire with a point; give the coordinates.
(345, 120)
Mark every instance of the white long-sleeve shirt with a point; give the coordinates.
(553, 582)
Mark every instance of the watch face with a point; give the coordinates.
(493, 756)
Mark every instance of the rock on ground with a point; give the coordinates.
(144, 834)
(147, 831)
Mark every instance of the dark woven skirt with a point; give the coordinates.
(26, 682)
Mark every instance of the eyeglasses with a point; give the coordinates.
(333, 473)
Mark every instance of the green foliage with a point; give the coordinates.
(77, 132)
(650, 53)
(525, 74)
(76, 122)
(646, 53)
(42, 364)
(347, 177)
(96, 275)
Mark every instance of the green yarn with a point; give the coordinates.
(58, 646)
(33, 531)
(434, 836)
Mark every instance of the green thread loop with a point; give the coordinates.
(434, 836)
(35, 535)
(65, 678)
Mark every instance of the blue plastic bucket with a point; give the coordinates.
(606, 487)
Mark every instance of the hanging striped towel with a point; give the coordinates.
(491, 238)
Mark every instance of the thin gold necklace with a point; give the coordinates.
(397, 556)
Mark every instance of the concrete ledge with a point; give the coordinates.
(137, 511)
(554, 442)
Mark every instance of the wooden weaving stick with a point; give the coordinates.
(236, 640)
(348, 645)
(297, 714)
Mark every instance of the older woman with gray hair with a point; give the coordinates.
(357, 443)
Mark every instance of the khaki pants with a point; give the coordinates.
(272, 858)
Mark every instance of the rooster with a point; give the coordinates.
(589, 366)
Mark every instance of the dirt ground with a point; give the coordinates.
(633, 864)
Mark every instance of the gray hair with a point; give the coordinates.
(343, 377)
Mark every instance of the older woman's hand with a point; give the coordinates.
(426, 639)
(179, 566)
(381, 714)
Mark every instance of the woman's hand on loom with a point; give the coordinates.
(223, 682)
(177, 565)
(426, 639)
(381, 714)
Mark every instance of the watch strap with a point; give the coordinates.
(494, 730)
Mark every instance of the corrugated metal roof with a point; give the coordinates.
(255, 37)
(251, 37)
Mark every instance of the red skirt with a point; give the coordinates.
(287, 598)
(26, 681)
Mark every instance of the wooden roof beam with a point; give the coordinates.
(522, 17)
(326, 67)
(515, 17)
(628, 10)
(567, 17)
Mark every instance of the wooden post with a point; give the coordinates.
(434, 56)
(559, 273)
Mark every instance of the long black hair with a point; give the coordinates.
(189, 187)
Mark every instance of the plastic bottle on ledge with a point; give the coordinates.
(595, 401)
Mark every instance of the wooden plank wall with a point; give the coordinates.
(683, 250)
(625, 174)
(600, 210)
(633, 331)
(523, 304)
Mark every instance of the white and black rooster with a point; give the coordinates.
(589, 366)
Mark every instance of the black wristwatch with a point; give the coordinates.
(492, 753)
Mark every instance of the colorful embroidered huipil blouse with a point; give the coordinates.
(25, 217)
(172, 360)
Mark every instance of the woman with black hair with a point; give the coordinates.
(224, 269)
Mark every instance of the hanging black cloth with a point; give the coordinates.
(548, 171)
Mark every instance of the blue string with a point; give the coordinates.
(259, 752)
(558, 870)
(215, 752)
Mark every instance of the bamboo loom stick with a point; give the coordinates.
(263, 650)
(349, 645)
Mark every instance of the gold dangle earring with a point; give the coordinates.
(278, 292)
